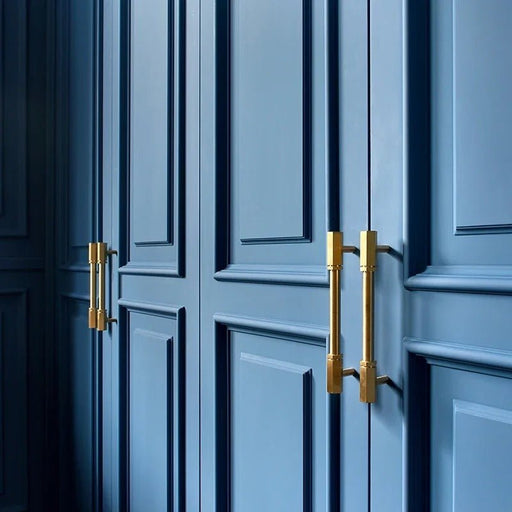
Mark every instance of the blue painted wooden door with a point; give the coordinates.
(459, 247)
(150, 216)
(270, 435)
(78, 359)
(440, 196)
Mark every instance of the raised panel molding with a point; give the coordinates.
(260, 428)
(293, 332)
(263, 202)
(422, 83)
(13, 114)
(463, 278)
(455, 355)
(421, 355)
(151, 409)
(153, 181)
(481, 476)
(297, 274)
(269, 130)
(151, 122)
(296, 388)
(482, 75)
(147, 341)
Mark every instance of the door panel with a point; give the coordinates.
(155, 135)
(274, 411)
(264, 135)
(471, 430)
(154, 387)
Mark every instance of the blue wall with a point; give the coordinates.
(25, 255)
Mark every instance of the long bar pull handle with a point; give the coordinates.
(93, 255)
(368, 367)
(102, 318)
(335, 371)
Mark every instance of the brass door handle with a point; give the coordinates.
(368, 366)
(335, 371)
(102, 319)
(93, 255)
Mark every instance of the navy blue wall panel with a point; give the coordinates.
(24, 232)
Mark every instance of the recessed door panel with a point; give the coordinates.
(471, 156)
(277, 417)
(261, 69)
(154, 391)
(471, 432)
(269, 120)
(155, 138)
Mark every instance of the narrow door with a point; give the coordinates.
(440, 74)
(78, 348)
(458, 337)
(270, 188)
(150, 217)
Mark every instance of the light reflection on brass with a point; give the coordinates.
(335, 371)
(368, 366)
(102, 318)
(92, 284)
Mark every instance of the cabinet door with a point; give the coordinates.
(270, 434)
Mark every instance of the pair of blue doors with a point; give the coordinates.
(213, 144)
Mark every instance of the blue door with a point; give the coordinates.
(150, 217)
(459, 247)
(271, 437)
(78, 360)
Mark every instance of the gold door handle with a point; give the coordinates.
(102, 318)
(368, 368)
(93, 256)
(335, 371)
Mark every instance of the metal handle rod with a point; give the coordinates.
(335, 371)
(92, 284)
(368, 366)
(102, 318)
(102, 313)
(368, 289)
